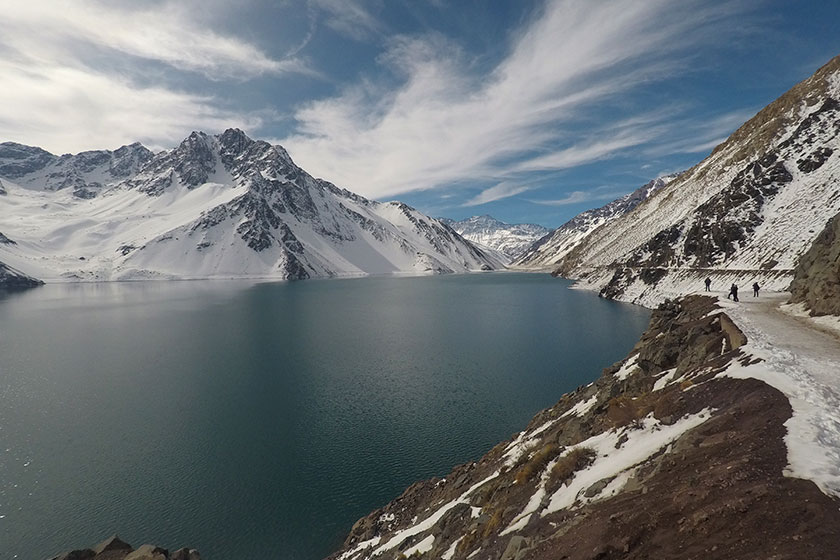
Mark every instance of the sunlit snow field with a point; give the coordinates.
(260, 420)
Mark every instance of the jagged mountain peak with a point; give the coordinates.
(508, 239)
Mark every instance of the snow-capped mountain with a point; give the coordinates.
(509, 239)
(546, 252)
(745, 214)
(85, 173)
(215, 206)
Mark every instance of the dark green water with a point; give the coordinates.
(257, 421)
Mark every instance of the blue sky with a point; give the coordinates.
(531, 111)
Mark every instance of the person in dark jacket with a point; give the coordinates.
(756, 287)
(708, 283)
(733, 293)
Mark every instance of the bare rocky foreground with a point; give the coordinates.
(667, 455)
(114, 548)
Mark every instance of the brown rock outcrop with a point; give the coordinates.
(114, 548)
(816, 280)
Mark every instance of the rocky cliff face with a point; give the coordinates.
(509, 239)
(664, 456)
(116, 549)
(215, 206)
(747, 213)
(816, 281)
(546, 252)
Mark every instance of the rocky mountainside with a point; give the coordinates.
(114, 548)
(84, 174)
(216, 206)
(816, 280)
(549, 250)
(679, 451)
(509, 239)
(746, 213)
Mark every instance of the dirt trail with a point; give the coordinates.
(789, 337)
(803, 362)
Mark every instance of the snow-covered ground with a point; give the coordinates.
(802, 362)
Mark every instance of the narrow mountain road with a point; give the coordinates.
(803, 362)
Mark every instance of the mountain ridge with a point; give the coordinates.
(216, 206)
(746, 213)
(550, 249)
(486, 231)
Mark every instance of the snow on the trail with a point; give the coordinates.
(804, 364)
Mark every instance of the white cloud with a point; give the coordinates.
(67, 110)
(497, 192)
(170, 33)
(445, 123)
(352, 18)
(577, 197)
(87, 74)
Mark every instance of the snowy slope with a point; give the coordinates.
(550, 249)
(85, 173)
(215, 207)
(509, 239)
(746, 213)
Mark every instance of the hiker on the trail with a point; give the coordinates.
(755, 289)
(733, 293)
(708, 283)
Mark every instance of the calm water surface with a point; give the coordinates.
(261, 420)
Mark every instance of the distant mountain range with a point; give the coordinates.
(509, 239)
(548, 251)
(223, 206)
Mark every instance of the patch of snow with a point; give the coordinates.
(627, 368)
(665, 379)
(353, 552)
(610, 462)
(581, 407)
(422, 547)
(450, 552)
(430, 521)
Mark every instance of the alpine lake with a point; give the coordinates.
(255, 420)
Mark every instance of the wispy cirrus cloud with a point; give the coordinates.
(446, 123)
(352, 18)
(502, 190)
(168, 33)
(89, 74)
(68, 109)
(578, 197)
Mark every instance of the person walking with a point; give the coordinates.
(708, 283)
(733, 293)
(756, 287)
